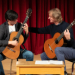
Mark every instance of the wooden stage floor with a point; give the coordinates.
(6, 65)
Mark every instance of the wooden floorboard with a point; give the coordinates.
(6, 65)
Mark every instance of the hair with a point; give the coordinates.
(56, 14)
(11, 15)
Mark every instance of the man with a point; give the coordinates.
(6, 28)
(58, 26)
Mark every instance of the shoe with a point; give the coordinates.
(65, 73)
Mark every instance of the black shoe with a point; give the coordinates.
(65, 73)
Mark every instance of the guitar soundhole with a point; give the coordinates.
(56, 41)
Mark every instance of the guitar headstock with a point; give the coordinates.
(73, 22)
(29, 11)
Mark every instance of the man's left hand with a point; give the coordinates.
(25, 27)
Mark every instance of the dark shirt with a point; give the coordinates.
(52, 29)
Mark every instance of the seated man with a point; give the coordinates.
(6, 28)
(58, 25)
(67, 53)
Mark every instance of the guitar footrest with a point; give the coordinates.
(23, 50)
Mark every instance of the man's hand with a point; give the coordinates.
(14, 43)
(25, 27)
(67, 34)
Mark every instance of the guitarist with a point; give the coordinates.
(58, 25)
(6, 28)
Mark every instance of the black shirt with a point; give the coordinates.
(52, 29)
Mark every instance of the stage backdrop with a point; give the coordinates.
(38, 18)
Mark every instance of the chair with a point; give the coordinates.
(73, 61)
(11, 66)
(17, 60)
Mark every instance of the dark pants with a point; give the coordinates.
(62, 53)
(28, 55)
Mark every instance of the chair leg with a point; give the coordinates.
(11, 66)
(17, 59)
(72, 68)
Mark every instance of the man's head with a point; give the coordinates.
(55, 15)
(11, 16)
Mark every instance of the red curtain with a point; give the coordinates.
(38, 18)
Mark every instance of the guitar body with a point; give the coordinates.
(50, 45)
(13, 52)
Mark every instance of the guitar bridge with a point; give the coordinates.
(50, 47)
(10, 49)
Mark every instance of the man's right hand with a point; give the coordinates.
(67, 34)
(14, 43)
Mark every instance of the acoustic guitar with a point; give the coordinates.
(13, 52)
(56, 41)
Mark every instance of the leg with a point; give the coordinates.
(28, 55)
(45, 57)
(1, 67)
(63, 53)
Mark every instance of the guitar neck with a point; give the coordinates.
(60, 37)
(21, 29)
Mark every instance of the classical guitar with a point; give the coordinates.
(56, 41)
(13, 52)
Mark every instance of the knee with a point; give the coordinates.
(57, 50)
(42, 56)
(30, 56)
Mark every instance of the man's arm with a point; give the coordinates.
(26, 34)
(43, 30)
(2, 33)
